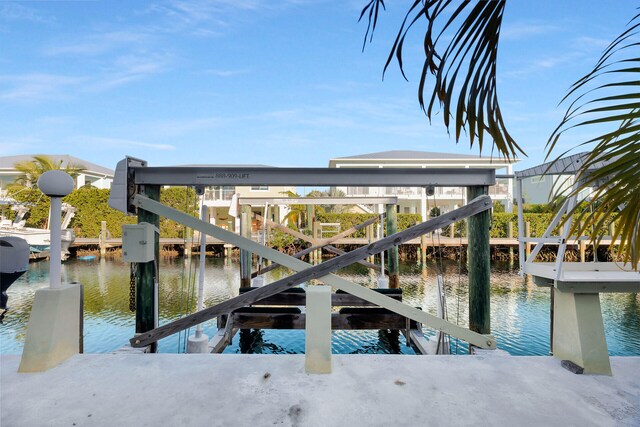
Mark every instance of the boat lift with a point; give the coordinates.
(136, 191)
(577, 326)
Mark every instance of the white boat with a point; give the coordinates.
(38, 238)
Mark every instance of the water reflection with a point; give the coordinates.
(519, 309)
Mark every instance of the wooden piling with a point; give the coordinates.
(392, 253)
(582, 244)
(527, 233)
(423, 251)
(369, 236)
(479, 266)
(245, 256)
(510, 236)
(315, 230)
(146, 271)
(311, 217)
(103, 238)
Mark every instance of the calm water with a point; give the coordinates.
(519, 309)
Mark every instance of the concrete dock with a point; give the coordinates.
(363, 390)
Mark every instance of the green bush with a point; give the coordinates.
(183, 199)
(91, 209)
(348, 220)
(37, 202)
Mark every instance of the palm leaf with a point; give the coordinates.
(604, 100)
(463, 69)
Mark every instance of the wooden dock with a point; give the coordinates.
(436, 240)
(360, 241)
(283, 311)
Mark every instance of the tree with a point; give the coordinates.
(32, 169)
(296, 212)
(460, 47)
(332, 192)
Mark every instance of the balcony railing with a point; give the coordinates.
(219, 193)
(501, 189)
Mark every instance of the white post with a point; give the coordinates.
(55, 324)
(200, 342)
(54, 242)
(383, 282)
(317, 358)
(203, 256)
(520, 199)
(55, 184)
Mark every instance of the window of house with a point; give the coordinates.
(259, 188)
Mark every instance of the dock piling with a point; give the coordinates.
(245, 256)
(146, 296)
(479, 266)
(392, 253)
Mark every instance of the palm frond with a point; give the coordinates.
(464, 67)
(606, 101)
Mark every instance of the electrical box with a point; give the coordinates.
(138, 242)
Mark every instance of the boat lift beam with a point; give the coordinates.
(319, 177)
(322, 272)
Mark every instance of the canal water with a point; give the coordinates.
(519, 309)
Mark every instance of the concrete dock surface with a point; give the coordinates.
(274, 390)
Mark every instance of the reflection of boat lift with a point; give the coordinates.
(578, 328)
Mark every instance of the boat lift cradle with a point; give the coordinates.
(132, 173)
(578, 327)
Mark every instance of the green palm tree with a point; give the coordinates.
(296, 212)
(32, 169)
(459, 76)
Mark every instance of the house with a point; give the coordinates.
(415, 200)
(95, 175)
(218, 199)
(540, 189)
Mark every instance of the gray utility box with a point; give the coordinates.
(138, 242)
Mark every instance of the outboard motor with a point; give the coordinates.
(14, 261)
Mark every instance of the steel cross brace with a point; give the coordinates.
(321, 272)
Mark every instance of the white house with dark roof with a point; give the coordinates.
(414, 199)
(95, 175)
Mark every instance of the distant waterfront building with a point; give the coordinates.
(218, 200)
(539, 190)
(414, 199)
(95, 175)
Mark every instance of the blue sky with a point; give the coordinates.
(283, 83)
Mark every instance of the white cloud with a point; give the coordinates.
(96, 44)
(10, 11)
(108, 143)
(519, 30)
(19, 145)
(543, 64)
(227, 73)
(181, 127)
(126, 69)
(36, 86)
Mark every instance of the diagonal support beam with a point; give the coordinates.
(318, 243)
(320, 272)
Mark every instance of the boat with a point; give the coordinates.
(38, 239)
(14, 262)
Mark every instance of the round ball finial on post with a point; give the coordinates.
(55, 184)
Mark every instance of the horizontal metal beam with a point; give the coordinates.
(260, 201)
(362, 177)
